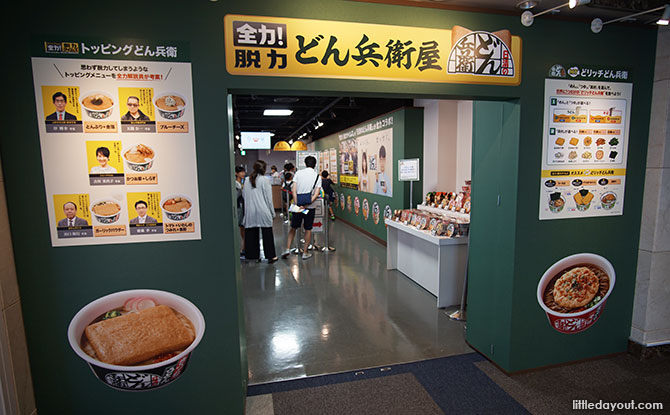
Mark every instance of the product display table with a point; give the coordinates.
(435, 263)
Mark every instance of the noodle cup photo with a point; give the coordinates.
(579, 321)
(141, 377)
(170, 105)
(98, 104)
(608, 200)
(106, 211)
(180, 213)
(139, 158)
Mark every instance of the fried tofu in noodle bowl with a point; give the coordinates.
(576, 288)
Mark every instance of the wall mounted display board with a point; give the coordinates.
(118, 142)
(300, 157)
(408, 170)
(369, 155)
(584, 147)
(364, 152)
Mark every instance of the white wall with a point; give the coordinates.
(651, 309)
(447, 144)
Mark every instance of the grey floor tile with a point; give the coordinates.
(339, 311)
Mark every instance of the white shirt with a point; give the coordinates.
(304, 182)
(98, 169)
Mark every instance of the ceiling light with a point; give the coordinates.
(528, 17)
(526, 5)
(597, 24)
(665, 19)
(574, 3)
(282, 146)
(277, 112)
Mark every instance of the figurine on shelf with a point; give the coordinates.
(466, 204)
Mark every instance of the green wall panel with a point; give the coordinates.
(407, 143)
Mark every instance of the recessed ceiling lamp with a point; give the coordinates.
(527, 5)
(528, 17)
(597, 24)
(277, 112)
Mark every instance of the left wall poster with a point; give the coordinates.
(116, 126)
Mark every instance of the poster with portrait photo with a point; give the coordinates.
(136, 110)
(105, 166)
(144, 213)
(349, 163)
(375, 169)
(61, 109)
(72, 215)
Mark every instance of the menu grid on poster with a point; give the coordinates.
(118, 150)
(584, 148)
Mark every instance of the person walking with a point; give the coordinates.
(328, 192)
(306, 188)
(258, 214)
(239, 185)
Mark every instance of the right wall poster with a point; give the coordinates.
(584, 147)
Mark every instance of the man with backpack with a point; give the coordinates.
(306, 188)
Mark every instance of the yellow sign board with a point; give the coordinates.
(274, 46)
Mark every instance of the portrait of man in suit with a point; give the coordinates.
(71, 218)
(142, 217)
(60, 100)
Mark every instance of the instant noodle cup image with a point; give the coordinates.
(608, 200)
(574, 290)
(556, 202)
(106, 211)
(98, 104)
(137, 340)
(139, 157)
(177, 207)
(170, 105)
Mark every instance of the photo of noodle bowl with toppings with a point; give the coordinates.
(574, 290)
(139, 157)
(137, 340)
(106, 211)
(177, 207)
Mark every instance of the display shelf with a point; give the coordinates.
(436, 263)
(446, 213)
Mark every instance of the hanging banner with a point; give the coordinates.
(274, 46)
(584, 148)
(117, 137)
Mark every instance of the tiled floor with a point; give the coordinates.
(339, 311)
(343, 311)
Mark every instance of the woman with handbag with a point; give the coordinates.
(258, 214)
(306, 188)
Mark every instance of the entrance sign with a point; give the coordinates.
(584, 148)
(305, 48)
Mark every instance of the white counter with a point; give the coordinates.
(436, 263)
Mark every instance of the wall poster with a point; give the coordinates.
(366, 157)
(333, 164)
(117, 138)
(584, 149)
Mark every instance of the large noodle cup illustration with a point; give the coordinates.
(566, 319)
(140, 377)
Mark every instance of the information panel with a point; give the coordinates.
(584, 149)
(118, 143)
